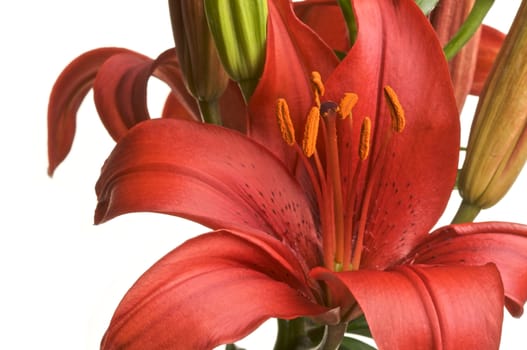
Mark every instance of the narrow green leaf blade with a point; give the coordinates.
(349, 17)
(469, 27)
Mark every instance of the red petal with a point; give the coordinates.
(208, 174)
(292, 52)
(503, 244)
(411, 174)
(489, 46)
(119, 104)
(121, 85)
(212, 290)
(175, 108)
(418, 307)
(233, 109)
(66, 96)
(325, 18)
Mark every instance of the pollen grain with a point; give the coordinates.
(348, 101)
(365, 133)
(284, 122)
(396, 109)
(318, 86)
(309, 142)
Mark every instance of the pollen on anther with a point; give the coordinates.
(284, 122)
(348, 101)
(318, 86)
(364, 143)
(309, 143)
(396, 109)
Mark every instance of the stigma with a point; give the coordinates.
(326, 157)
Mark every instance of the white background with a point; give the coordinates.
(61, 277)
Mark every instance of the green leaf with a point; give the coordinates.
(349, 18)
(426, 5)
(359, 326)
(469, 27)
(354, 344)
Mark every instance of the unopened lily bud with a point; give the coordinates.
(239, 28)
(446, 19)
(497, 147)
(204, 74)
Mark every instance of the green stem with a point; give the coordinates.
(210, 111)
(300, 333)
(466, 213)
(469, 27)
(291, 334)
(334, 337)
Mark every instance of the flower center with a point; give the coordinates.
(342, 215)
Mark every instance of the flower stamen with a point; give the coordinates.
(348, 101)
(364, 143)
(309, 142)
(284, 121)
(396, 109)
(318, 86)
(343, 207)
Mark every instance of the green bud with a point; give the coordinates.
(497, 148)
(239, 28)
(205, 77)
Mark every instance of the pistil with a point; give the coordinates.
(334, 177)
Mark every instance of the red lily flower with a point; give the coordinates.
(332, 241)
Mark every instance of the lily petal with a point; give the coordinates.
(489, 46)
(113, 89)
(212, 290)
(208, 174)
(67, 94)
(175, 108)
(234, 113)
(325, 18)
(410, 174)
(420, 307)
(118, 97)
(293, 51)
(504, 244)
(120, 89)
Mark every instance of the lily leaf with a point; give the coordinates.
(469, 27)
(426, 5)
(359, 326)
(349, 18)
(354, 344)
